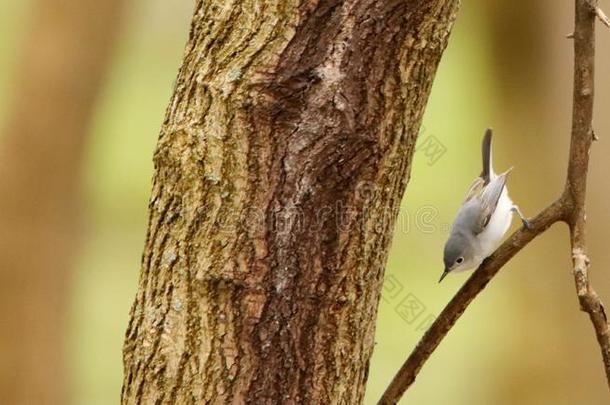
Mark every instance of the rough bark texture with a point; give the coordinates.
(278, 175)
(61, 68)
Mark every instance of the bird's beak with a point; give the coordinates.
(445, 272)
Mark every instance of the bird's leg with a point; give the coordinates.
(524, 220)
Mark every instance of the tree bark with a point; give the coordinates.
(279, 171)
(65, 57)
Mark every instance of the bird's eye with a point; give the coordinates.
(459, 260)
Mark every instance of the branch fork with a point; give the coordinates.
(569, 208)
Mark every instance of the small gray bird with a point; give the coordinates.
(483, 218)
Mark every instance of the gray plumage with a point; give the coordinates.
(483, 218)
(486, 156)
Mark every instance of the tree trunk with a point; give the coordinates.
(279, 170)
(63, 63)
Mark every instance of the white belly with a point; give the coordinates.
(499, 223)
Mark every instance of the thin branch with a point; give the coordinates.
(568, 208)
(602, 16)
(599, 12)
(576, 184)
(473, 286)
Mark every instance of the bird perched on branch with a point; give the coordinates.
(483, 218)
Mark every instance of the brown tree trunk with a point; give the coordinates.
(63, 62)
(278, 175)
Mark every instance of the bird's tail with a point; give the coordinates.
(488, 171)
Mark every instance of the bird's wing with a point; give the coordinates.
(489, 200)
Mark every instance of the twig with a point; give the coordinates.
(599, 12)
(576, 184)
(473, 286)
(568, 208)
(602, 16)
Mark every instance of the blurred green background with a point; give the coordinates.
(523, 341)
